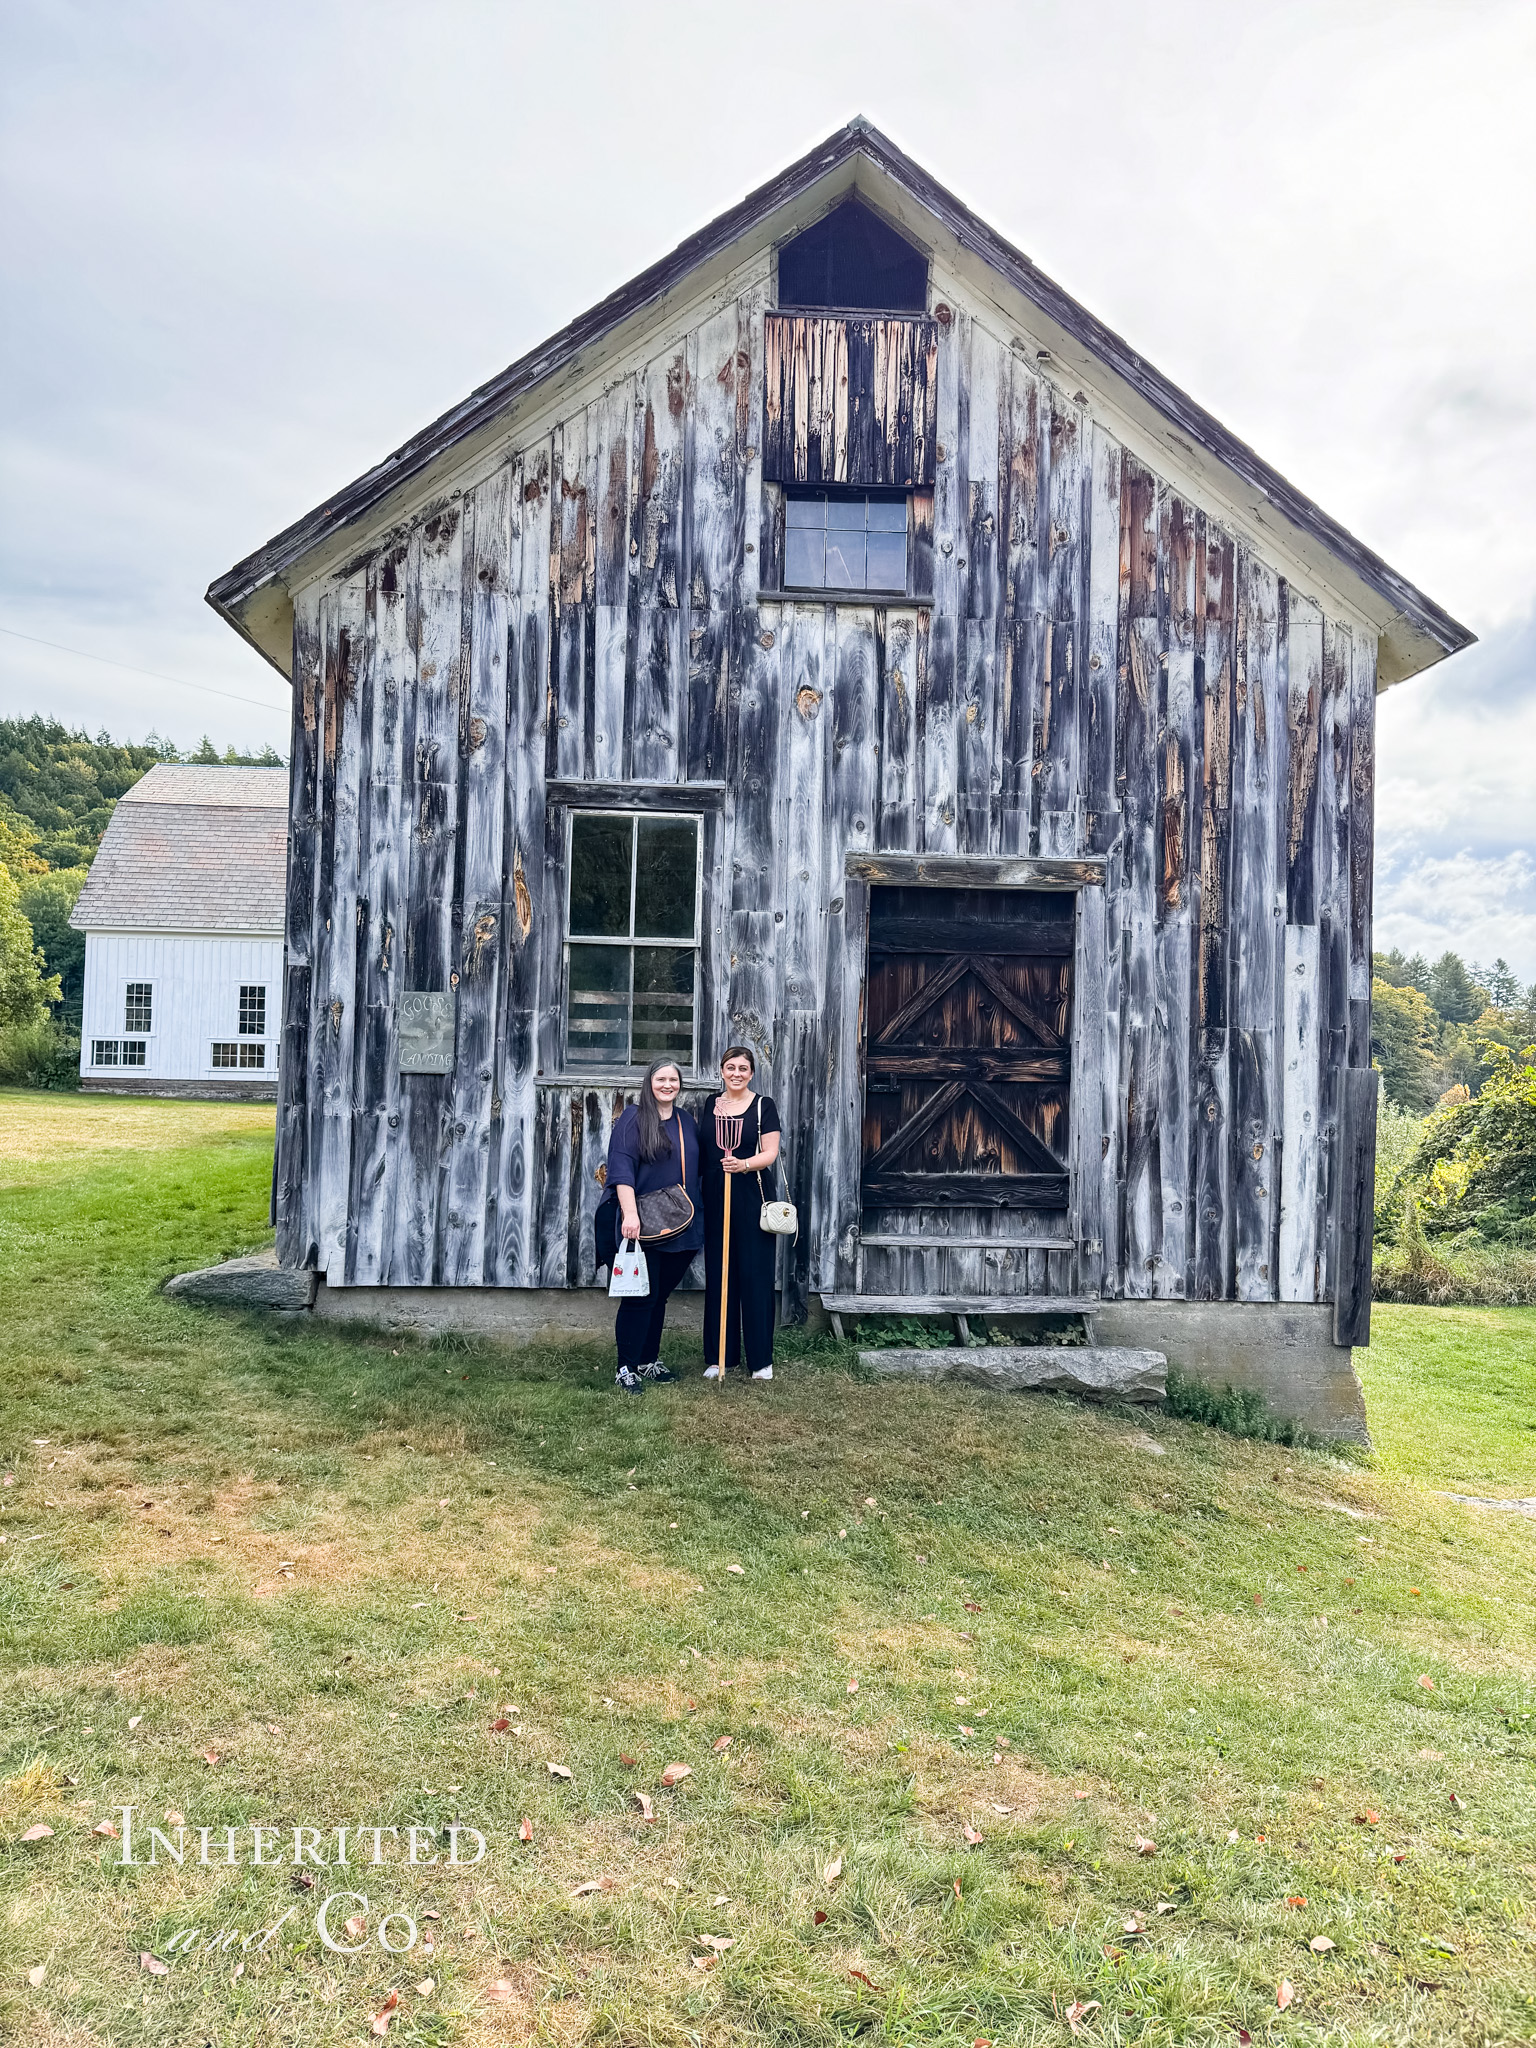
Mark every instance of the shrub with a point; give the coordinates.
(41, 1054)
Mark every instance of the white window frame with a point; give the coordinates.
(695, 945)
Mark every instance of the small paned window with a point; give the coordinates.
(632, 939)
(253, 1010)
(138, 1006)
(231, 1053)
(103, 1052)
(133, 1052)
(845, 542)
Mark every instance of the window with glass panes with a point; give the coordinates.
(253, 1009)
(845, 541)
(138, 1006)
(632, 933)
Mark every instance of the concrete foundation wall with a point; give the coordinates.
(184, 1091)
(514, 1314)
(1282, 1350)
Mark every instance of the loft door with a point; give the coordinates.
(967, 1050)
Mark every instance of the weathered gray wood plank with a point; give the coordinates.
(1357, 1206)
(296, 1242)
(716, 515)
(1362, 816)
(334, 990)
(1211, 1194)
(937, 705)
(1141, 1221)
(1022, 622)
(1301, 1157)
(1182, 548)
(977, 492)
(1057, 714)
(654, 727)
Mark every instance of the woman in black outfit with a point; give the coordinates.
(753, 1165)
(655, 1145)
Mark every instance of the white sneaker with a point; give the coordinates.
(711, 1372)
(765, 1374)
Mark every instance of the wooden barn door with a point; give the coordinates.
(967, 1050)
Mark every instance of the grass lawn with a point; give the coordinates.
(981, 1654)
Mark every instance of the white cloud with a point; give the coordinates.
(1482, 908)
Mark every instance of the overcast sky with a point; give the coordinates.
(246, 251)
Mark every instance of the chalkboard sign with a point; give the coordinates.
(426, 1032)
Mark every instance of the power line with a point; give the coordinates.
(107, 662)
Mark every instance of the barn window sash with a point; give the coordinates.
(138, 1006)
(239, 1053)
(253, 1010)
(634, 883)
(846, 541)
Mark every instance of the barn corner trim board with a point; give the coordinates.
(905, 680)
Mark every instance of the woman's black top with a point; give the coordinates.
(756, 1123)
(648, 1176)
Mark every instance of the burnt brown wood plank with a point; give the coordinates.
(988, 1065)
(435, 601)
(953, 872)
(976, 484)
(1304, 711)
(1211, 1195)
(937, 702)
(1137, 700)
(715, 514)
(1057, 735)
(1357, 1205)
(295, 1235)
(1257, 925)
(1021, 614)
(1362, 813)
(654, 728)
(969, 1190)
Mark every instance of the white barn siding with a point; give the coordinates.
(196, 982)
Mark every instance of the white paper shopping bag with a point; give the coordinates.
(629, 1276)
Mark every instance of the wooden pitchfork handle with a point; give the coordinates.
(725, 1274)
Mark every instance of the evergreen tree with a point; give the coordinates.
(1455, 995)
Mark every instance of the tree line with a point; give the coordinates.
(1435, 1029)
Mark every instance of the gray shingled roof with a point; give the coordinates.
(192, 849)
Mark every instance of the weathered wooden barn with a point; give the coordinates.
(839, 639)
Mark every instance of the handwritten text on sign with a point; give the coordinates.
(426, 1032)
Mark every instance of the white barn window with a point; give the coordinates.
(632, 926)
(138, 1006)
(238, 1053)
(253, 1010)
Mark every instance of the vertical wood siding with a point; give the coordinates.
(1101, 670)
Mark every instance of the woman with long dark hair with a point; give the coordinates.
(739, 1136)
(652, 1155)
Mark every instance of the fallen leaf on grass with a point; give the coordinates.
(718, 1942)
(853, 1685)
(833, 1871)
(1243, 2036)
(303, 1880)
(643, 1801)
(1145, 1846)
(36, 1974)
(594, 1884)
(1078, 2011)
(972, 1606)
(1367, 1819)
(860, 1977)
(722, 1742)
(818, 1918)
(426, 1987)
(37, 1833)
(500, 1727)
(1426, 1681)
(973, 1839)
(1319, 1944)
(557, 1771)
(1458, 1802)
(739, 1569)
(1000, 1809)
(674, 1774)
(1296, 1899)
(210, 1756)
(153, 1964)
(1285, 1991)
(501, 1992)
(627, 1761)
(525, 1829)
(237, 1973)
(958, 1893)
(431, 1914)
(1135, 1925)
(705, 1962)
(1165, 1906)
(134, 1720)
(105, 1827)
(381, 2017)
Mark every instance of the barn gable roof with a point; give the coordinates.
(254, 596)
(192, 849)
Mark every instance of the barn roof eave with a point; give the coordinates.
(254, 598)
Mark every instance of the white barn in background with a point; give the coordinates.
(183, 920)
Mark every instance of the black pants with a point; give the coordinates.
(638, 1325)
(749, 1295)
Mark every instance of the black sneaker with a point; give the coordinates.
(628, 1382)
(655, 1372)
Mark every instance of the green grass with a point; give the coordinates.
(1068, 1627)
